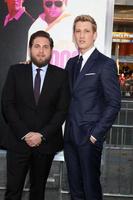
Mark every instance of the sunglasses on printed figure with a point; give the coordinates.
(49, 4)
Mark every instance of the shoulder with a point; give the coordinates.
(105, 59)
(56, 69)
(57, 74)
(38, 24)
(71, 62)
(19, 67)
(106, 64)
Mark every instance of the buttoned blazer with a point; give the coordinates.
(21, 113)
(95, 98)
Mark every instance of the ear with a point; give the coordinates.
(73, 38)
(95, 36)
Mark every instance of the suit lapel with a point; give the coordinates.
(71, 73)
(46, 83)
(88, 65)
(29, 85)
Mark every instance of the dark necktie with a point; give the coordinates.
(78, 67)
(37, 84)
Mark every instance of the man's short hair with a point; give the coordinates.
(41, 34)
(85, 18)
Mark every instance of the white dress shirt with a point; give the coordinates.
(86, 56)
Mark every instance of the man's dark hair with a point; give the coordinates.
(41, 34)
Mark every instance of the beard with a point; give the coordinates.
(41, 62)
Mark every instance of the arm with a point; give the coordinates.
(61, 110)
(112, 99)
(9, 106)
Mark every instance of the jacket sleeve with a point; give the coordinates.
(112, 99)
(9, 107)
(61, 110)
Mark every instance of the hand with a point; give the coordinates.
(93, 139)
(33, 139)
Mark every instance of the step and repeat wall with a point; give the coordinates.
(30, 17)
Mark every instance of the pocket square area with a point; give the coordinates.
(90, 74)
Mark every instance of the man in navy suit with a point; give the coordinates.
(35, 102)
(95, 102)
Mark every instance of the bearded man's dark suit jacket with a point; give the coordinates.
(23, 115)
(94, 106)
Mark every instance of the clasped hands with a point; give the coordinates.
(33, 139)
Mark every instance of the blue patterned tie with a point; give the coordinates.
(37, 84)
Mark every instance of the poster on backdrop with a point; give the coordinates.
(60, 29)
(35, 15)
(20, 18)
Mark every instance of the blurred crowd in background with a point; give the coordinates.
(126, 81)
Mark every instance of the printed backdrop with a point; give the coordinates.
(14, 35)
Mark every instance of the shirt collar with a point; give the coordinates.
(34, 67)
(8, 18)
(87, 54)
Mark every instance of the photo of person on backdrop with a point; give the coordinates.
(16, 11)
(54, 12)
(34, 7)
(54, 19)
(16, 23)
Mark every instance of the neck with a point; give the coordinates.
(12, 13)
(83, 51)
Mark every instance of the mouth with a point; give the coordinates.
(81, 41)
(41, 56)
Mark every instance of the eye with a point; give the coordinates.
(36, 46)
(87, 31)
(46, 46)
(77, 31)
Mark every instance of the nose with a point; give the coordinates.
(41, 49)
(82, 34)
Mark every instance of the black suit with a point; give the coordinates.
(23, 115)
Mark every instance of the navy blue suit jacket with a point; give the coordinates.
(95, 99)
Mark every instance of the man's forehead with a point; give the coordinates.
(40, 39)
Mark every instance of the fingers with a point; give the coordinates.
(93, 139)
(33, 139)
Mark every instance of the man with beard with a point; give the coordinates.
(35, 102)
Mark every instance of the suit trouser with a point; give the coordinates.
(83, 166)
(18, 165)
